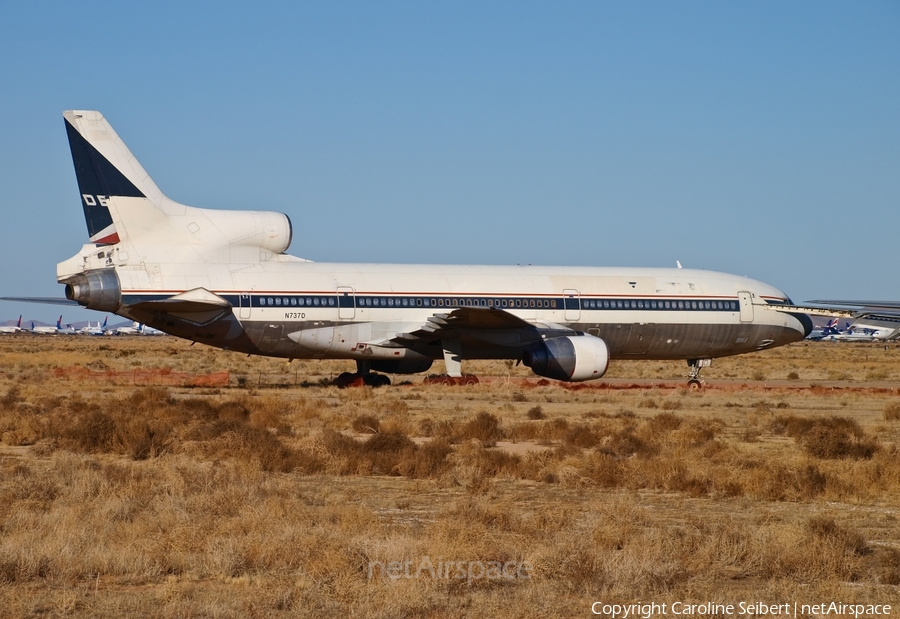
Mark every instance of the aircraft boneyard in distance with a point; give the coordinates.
(223, 278)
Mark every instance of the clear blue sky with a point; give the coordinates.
(758, 138)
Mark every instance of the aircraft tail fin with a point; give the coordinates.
(104, 168)
(19, 324)
(104, 323)
(59, 322)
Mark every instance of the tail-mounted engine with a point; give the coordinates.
(97, 290)
(570, 358)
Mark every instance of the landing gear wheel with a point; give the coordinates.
(449, 381)
(694, 382)
(376, 380)
(347, 379)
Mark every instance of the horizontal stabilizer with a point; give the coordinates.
(45, 300)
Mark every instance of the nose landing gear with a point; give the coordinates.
(694, 382)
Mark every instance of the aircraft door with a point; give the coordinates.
(346, 303)
(745, 301)
(572, 299)
(244, 311)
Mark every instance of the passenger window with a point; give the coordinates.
(553, 303)
(277, 300)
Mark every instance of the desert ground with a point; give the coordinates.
(145, 477)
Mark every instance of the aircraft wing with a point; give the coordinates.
(810, 310)
(47, 300)
(469, 319)
(865, 305)
(888, 310)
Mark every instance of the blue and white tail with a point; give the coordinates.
(105, 169)
(122, 204)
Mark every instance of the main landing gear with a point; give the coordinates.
(694, 383)
(362, 377)
(443, 379)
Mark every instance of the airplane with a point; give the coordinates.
(134, 329)
(145, 330)
(47, 330)
(98, 330)
(873, 320)
(17, 328)
(870, 324)
(223, 278)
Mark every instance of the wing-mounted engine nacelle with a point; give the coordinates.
(400, 366)
(571, 358)
(97, 290)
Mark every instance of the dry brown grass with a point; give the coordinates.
(272, 497)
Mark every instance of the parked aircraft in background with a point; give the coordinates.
(223, 278)
(67, 330)
(864, 331)
(98, 330)
(872, 320)
(47, 330)
(145, 330)
(8, 329)
(830, 328)
(134, 329)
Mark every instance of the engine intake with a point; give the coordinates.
(97, 290)
(571, 358)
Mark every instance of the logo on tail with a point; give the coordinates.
(98, 180)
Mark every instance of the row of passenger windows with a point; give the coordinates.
(455, 302)
(586, 304)
(296, 301)
(659, 305)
